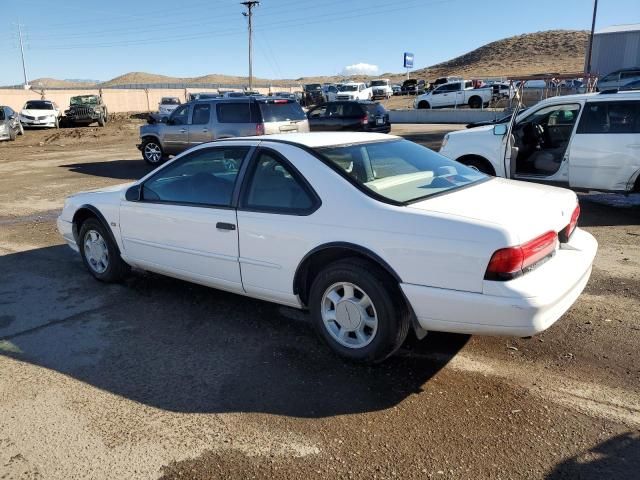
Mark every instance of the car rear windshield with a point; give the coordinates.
(313, 86)
(374, 108)
(170, 101)
(378, 83)
(400, 170)
(281, 111)
(38, 105)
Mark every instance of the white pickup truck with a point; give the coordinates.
(381, 88)
(453, 94)
(586, 141)
(354, 91)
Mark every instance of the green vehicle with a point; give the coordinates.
(85, 110)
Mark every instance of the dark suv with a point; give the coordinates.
(313, 94)
(206, 120)
(85, 110)
(360, 116)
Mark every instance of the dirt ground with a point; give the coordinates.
(159, 378)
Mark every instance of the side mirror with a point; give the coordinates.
(499, 129)
(133, 194)
(13, 116)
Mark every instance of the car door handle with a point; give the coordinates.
(205, 130)
(182, 130)
(225, 226)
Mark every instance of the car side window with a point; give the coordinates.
(318, 112)
(240, 112)
(274, 187)
(2, 114)
(201, 114)
(180, 115)
(206, 177)
(610, 117)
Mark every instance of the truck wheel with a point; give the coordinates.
(478, 163)
(106, 116)
(101, 120)
(423, 104)
(475, 102)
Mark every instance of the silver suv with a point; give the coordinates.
(206, 120)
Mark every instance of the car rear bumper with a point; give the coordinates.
(66, 230)
(522, 307)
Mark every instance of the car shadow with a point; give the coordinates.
(617, 210)
(186, 348)
(618, 457)
(118, 169)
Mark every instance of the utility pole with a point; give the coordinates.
(593, 27)
(250, 4)
(24, 69)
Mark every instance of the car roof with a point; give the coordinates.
(607, 95)
(325, 139)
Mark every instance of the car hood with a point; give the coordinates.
(112, 190)
(36, 113)
(525, 210)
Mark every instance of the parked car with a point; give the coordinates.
(41, 114)
(397, 89)
(10, 126)
(312, 95)
(330, 92)
(85, 110)
(502, 90)
(360, 116)
(202, 121)
(168, 105)
(409, 87)
(354, 91)
(618, 79)
(585, 141)
(454, 94)
(381, 88)
(364, 230)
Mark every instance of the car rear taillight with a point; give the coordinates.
(573, 223)
(260, 129)
(365, 119)
(511, 262)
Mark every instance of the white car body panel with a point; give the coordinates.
(440, 98)
(361, 92)
(608, 162)
(438, 248)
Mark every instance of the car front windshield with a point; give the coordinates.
(400, 170)
(349, 88)
(38, 105)
(378, 83)
(87, 100)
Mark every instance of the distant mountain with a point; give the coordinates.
(555, 51)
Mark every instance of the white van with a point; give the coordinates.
(589, 141)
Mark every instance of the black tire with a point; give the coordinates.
(423, 104)
(12, 134)
(479, 164)
(20, 129)
(116, 268)
(101, 120)
(149, 145)
(475, 102)
(106, 116)
(57, 123)
(393, 319)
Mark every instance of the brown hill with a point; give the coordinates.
(558, 51)
(541, 52)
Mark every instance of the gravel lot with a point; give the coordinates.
(158, 378)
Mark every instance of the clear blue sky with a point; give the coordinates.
(294, 38)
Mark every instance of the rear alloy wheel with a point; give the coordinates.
(475, 102)
(99, 252)
(423, 104)
(357, 312)
(152, 152)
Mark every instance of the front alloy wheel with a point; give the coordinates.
(152, 152)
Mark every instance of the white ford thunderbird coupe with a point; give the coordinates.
(371, 233)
